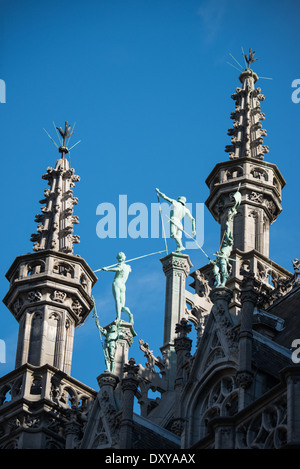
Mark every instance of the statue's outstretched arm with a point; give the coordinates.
(164, 196)
(112, 269)
(100, 329)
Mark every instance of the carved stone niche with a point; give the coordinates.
(35, 267)
(64, 268)
(259, 173)
(36, 384)
(235, 172)
(245, 266)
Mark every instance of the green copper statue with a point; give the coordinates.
(222, 266)
(178, 212)
(119, 285)
(111, 336)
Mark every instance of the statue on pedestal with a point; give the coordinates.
(178, 212)
(119, 285)
(222, 266)
(111, 335)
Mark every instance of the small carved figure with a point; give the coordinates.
(178, 212)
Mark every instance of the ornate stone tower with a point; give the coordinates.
(49, 295)
(260, 183)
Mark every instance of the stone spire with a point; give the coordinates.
(56, 222)
(247, 133)
(50, 289)
(49, 295)
(260, 184)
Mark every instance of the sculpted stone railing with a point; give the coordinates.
(41, 397)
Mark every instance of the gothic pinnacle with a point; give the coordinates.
(55, 230)
(247, 133)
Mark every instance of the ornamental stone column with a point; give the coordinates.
(129, 387)
(221, 296)
(249, 296)
(223, 428)
(124, 341)
(183, 345)
(72, 431)
(107, 382)
(176, 267)
(291, 376)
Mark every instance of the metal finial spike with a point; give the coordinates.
(235, 60)
(233, 66)
(74, 145)
(51, 138)
(244, 57)
(266, 78)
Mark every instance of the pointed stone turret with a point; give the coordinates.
(260, 184)
(49, 295)
(50, 290)
(56, 222)
(247, 133)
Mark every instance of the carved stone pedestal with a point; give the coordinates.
(176, 267)
(129, 387)
(107, 381)
(124, 341)
(221, 296)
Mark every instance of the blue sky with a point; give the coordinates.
(148, 85)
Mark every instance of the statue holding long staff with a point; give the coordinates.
(111, 334)
(221, 264)
(178, 212)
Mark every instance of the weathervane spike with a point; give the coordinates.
(65, 135)
(250, 59)
(51, 138)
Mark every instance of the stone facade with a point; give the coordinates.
(240, 388)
